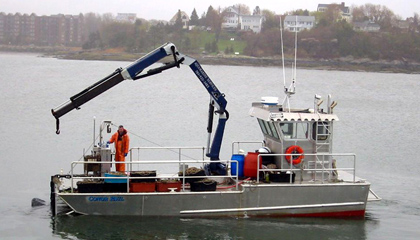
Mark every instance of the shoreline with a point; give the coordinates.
(339, 64)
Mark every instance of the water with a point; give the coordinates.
(378, 121)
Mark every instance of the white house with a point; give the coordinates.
(298, 23)
(233, 20)
(184, 17)
(126, 17)
(251, 22)
(366, 26)
(343, 10)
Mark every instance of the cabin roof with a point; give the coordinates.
(277, 113)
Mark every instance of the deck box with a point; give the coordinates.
(115, 187)
(143, 187)
(193, 172)
(90, 187)
(203, 185)
(119, 175)
(163, 186)
(281, 177)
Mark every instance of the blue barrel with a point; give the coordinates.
(241, 159)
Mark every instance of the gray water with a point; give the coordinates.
(378, 121)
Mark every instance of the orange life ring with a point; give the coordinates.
(294, 149)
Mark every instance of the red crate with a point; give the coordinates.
(143, 187)
(164, 186)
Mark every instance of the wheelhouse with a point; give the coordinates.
(297, 134)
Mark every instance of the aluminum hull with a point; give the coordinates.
(335, 200)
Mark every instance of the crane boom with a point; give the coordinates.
(134, 72)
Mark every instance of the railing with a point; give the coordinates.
(157, 162)
(238, 143)
(323, 170)
(177, 150)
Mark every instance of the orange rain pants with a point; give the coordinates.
(121, 148)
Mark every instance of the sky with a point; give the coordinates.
(165, 9)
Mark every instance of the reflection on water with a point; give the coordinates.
(99, 227)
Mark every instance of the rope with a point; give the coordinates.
(147, 140)
(90, 146)
(131, 133)
(232, 186)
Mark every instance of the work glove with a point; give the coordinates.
(108, 142)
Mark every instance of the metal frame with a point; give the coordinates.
(292, 169)
(75, 163)
(167, 148)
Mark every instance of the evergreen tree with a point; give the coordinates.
(202, 19)
(194, 18)
(210, 17)
(178, 22)
(94, 41)
(214, 47)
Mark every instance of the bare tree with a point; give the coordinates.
(243, 9)
(257, 11)
(92, 23)
(376, 13)
(358, 14)
(108, 18)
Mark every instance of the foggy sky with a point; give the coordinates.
(165, 9)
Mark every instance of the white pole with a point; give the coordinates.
(282, 54)
(94, 122)
(296, 31)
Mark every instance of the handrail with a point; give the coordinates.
(127, 177)
(168, 148)
(239, 142)
(291, 169)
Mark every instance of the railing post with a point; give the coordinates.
(131, 160)
(71, 174)
(354, 168)
(183, 177)
(258, 168)
(237, 175)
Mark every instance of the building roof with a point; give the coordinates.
(183, 14)
(233, 9)
(323, 5)
(341, 6)
(366, 24)
(299, 18)
(252, 16)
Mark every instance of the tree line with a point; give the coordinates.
(332, 37)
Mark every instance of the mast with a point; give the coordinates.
(292, 88)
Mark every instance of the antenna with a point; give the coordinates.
(291, 90)
(282, 55)
(296, 31)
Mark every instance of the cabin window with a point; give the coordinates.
(273, 130)
(321, 132)
(262, 126)
(294, 130)
(268, 128)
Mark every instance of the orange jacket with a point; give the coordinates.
(125, 142)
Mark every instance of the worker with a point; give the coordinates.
(122, 141)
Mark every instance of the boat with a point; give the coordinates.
(293, 172)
